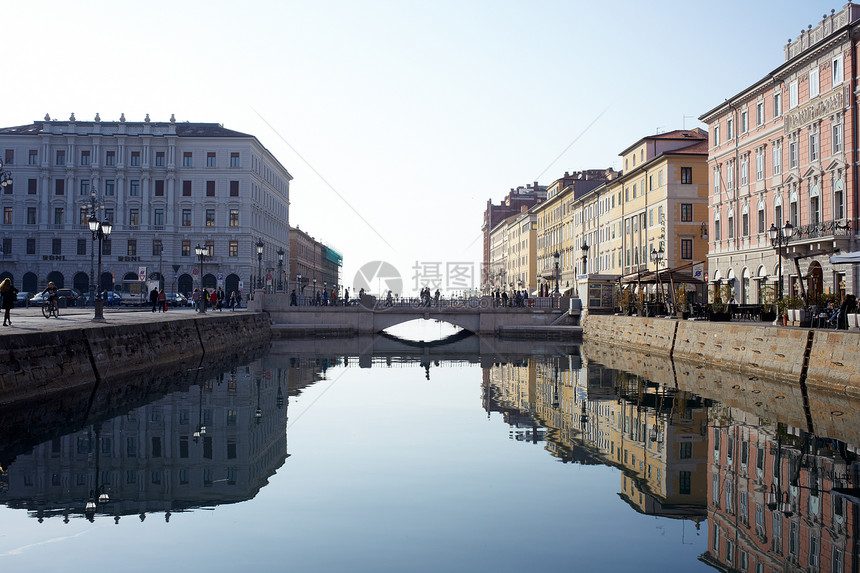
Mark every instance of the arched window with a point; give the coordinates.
(730, 222)
(745, 286)
(778, 218)
(793, 212)
(814, 202)
(762, 219)
(838, 197)
(745, 220)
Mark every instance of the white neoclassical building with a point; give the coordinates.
(165, 186)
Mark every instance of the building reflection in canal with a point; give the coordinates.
(216, 443)
(766, 494)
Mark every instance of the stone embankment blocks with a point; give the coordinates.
(834, 362)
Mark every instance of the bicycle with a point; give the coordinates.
(51, 307)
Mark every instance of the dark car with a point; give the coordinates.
(65, 296)
(177, 299)
(112, 298)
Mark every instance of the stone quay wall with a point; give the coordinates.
(833, 361)
(39, 364)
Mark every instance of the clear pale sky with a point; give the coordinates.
(410, 114)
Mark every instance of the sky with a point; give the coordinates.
(399, 120)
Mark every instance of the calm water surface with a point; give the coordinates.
(516, 461)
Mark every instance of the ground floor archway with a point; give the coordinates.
(81, 283)
(209, 281)
(186, 284)
(30, 283)
(231, 284)
(57, 278)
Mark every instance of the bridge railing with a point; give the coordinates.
(443, 303)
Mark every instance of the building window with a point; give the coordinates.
(744, 122)
(836, 75)
(186, 188)
(210, 159)
(134, 217)
(686, 249)
(186, 159)
(730, 175)
(135, 159)
(777, 157)
(159, 188)
(32, 186)
(61, 157)
(159, 159)
(106, 247)
(686, 212)
(792, 155)
(777, 104)
(234, 217)
(745, 224)
(814, 211)
(792, 95)
(31, 246)
(58, 215)
(132, 248)
(234, 159)
(110, 158)
(813, 83)
(84, 217)
(761, 219)
(109, 215)
(210, 217)
(210, 188)
(56, 246)
(33, 157)
(60, 187)
(233, 249)
(85, 158)
(134, 188)
(110, 188)
(745, 169)
(717, 178)
(158, 217)
(792, 213)
(730, 129)
(234, 188)
(9, 157)
(813, 146)
(156, 247)
(82, 246)
(731, 227)
(186, 217)
(759, 113)
(31, 215)
(686, 175)
(716, 135)
(85, 187)
(837, 138)
(186, 248)
(838, 201)
(7, 215)
(210, 248)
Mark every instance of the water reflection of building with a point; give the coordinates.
(770, 502)
(217, 443)
(654, 435)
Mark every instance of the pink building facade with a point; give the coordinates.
(784, 150)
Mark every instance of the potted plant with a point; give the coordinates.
(782, 310)
(797, 312)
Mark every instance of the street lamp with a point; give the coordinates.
(100, 231)
(299, 280)
(778, 239)
(315, 290)
(5, 176)
(280, 267)
(585, 248)
(657, 259)
(556, 256)
(260, 246)
(201, 254)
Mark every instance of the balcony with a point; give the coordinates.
(840, 228)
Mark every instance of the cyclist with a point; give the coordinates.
(51, 291)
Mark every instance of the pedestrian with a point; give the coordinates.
(293, 299)
(318, 299)
(346, 297)
(195, 300)
(9, 294)
(437, 297)
(333, 297)
(849, 306)
(213, 300)
(204, 300)
(239, 298)
(153, 298)
(505, 298)
(325, 297)
(162, 301)
(232, 301)
(221, 300)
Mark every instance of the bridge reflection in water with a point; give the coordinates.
(735, 458)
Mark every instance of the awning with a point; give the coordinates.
(680, 274)
(845, 258)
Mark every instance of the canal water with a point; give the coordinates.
(517, 456)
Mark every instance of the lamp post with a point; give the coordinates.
(657, 259)
(100, 230)
(778, 239)
(280, 268)
(556, 255)
(315, 291)
(260, 246)
(201, 254)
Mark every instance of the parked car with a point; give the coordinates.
(177, 299)
(112, 298)
(65, 296)
(23, 298)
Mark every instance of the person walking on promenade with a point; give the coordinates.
(213, 300)
(162, 301)
(293, 300)
(505, 299)
(153, 298)
(221, 300)
(325, 297)
(9, 294)
(849, 306)
(195, 300)
(204, 300)
(239, 298)
(436, 298)
(346, 297)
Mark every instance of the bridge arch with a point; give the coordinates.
(466, 321)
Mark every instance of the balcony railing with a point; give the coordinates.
(839, 228)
